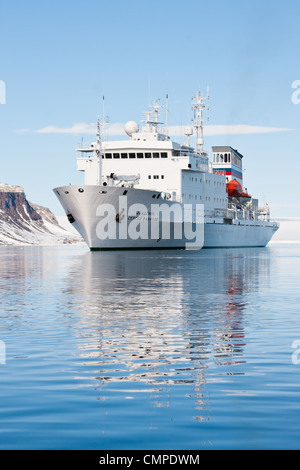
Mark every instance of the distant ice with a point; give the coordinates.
(289, 231)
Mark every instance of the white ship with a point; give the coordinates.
(150, 192)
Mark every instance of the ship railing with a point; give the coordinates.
(263, 217)
(163, 133)
(173, 196)
(241, 213)
(231, 213)
(210, 213)
(203, 167)
(220, 213)
(263, 213)
(182, 153)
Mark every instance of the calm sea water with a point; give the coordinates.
(150, 349)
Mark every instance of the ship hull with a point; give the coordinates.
(106, 219)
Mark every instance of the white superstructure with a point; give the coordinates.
(149, 168)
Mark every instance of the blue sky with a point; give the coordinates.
(59, 58)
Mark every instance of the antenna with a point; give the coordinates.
(98, 153)
(198, 107)
(80, 144)
(149, 88)
(167, 102)
(98, 130)
(152, 116)
(103, 118)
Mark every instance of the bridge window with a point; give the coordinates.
(124, 155)
(131, 155)
(164, 155)
(147, 155)
(140, 155)
(116, 155)
(155, 155)
(108, 155)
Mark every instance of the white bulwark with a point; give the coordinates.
(149, 168)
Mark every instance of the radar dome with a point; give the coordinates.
(131, 127)
(188, 130)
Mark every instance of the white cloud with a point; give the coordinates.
(241, 129)
(117, 129)
(83, 128)
(80, 128)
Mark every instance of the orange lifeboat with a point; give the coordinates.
(246, 195)
(234, 189)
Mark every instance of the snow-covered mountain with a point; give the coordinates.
(25, 223)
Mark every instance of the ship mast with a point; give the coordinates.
(94, 174)
(98, 154)
(151, 120)
(199, 105)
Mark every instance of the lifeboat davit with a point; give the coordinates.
(234, 189)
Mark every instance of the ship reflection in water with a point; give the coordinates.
(164, 323)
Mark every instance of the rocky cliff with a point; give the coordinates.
(22, 222)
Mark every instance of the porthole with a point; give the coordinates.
(80, 190)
